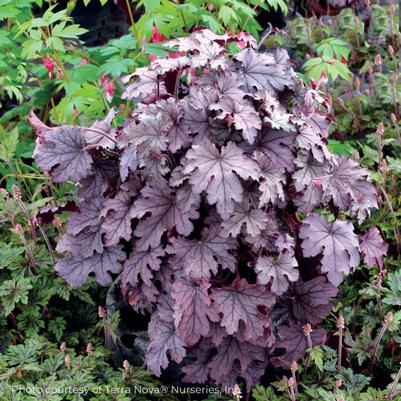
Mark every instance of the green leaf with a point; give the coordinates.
(260, 393)
(8, 144)
(7, 12)
(117, 66)
(70, 31)
(156, 49)
(316, 355)
(212, 23)
(57, 327)
(13, 292)
(341, 148)
(227, 14)
(85, 73)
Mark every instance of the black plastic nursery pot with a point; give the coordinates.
(129, 340)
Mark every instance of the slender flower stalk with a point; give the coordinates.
(20, 231)
(18, 198)
(48, 244)
(10, 209)
(291, 386)
(394, 120)
(337, 385)
(340, 327)
(387, 320)
(393, 389)
(294, 368)
(307, 328)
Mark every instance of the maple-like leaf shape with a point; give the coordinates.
(271, 187)
(61, 152)
(240, 114)
(294, 341)
(163, 339)
(141, 264)
(197, 371)
(196, 107)
(280, 269)
(84, 244)
(309, 171)
(260, 72)
(76, 270)
(241, 303)
(214, 172)
(166, 213)
(349, 183)
(336, 242)
(101, 132)
(309, 139)
(142, 297)
(129, 162)
(117, 213)
(208, 54)
(307, 301)
(166, 64)
(231, 352)
(246, 218)
(199, 258)
(276, 145)
(150, 133)
(373, 247)
(178, 131)
(193, 309)
(226, 84)
(146, 83)
(86, 217)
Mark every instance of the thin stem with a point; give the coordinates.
(387, 321)
(48, 245)
(264, 37)
(27, 249)
(391, 394)
(397, 233)
(340, 326)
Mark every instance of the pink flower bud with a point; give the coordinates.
(126, 364)
(67, 361)
(102, 312)
(340, 323)
(378, 59)
(307, 329)
(63, 346)
(19, 230)
(89, 348)
(16, 193)
(83, 62)
(4, 193)
(380, 129)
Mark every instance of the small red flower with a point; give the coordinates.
(344, 60)
(83, 62)
(49, 65)
(108, 87)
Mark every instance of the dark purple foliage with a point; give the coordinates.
(220, 205)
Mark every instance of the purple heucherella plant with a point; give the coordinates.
(220, 206)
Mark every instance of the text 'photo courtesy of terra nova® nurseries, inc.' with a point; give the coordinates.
(199, 200)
